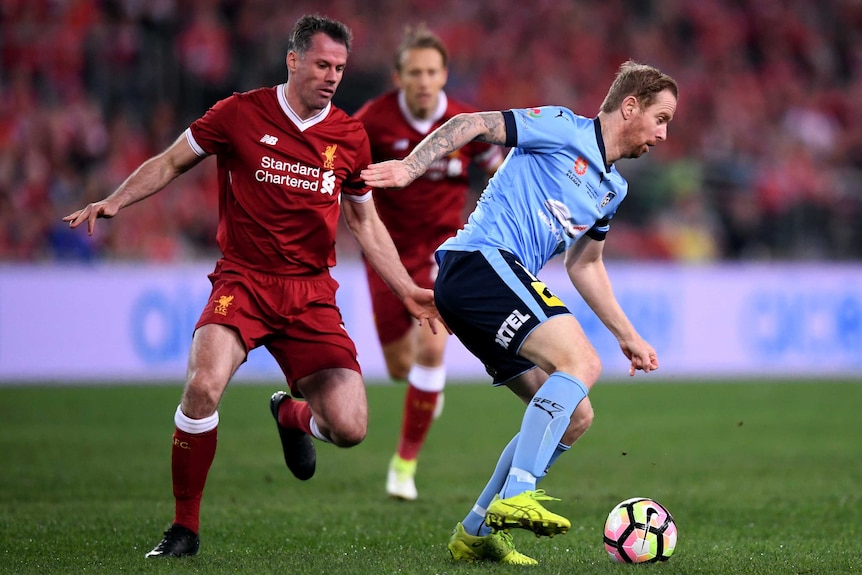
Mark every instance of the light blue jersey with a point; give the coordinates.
(553, 187)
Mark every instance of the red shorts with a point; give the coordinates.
(391, 318)
(294, 317)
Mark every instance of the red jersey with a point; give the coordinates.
(420, 216)
(280, 179)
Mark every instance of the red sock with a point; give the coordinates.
(418, 413)
(295, 415)
(191, 458)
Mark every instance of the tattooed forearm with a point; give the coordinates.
(458, 131)
(494, 128)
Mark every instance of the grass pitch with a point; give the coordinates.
(762, 478)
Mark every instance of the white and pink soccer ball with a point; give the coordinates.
(640, 530)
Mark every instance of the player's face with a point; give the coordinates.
(422, 77)
(314, 77)
(648, 126)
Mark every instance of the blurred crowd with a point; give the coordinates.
(763, 161)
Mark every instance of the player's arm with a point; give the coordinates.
(456, 132)
(586, 269)
(149, 178)
(380, 251)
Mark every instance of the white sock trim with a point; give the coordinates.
(479, 510)
(427, 378)
(315, 431)
(194, 426)
(522, 475)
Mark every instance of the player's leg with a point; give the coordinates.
(319, 362)
(338, 405)
(426, 379)
(474, 523)
(493, 304)
(431, 349)
(477, 304)
(413, 354)
(559, 347)
(558, 413)
(216, 353)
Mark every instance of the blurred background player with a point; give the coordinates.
(418, 217)
(556, 194)
(286, 158)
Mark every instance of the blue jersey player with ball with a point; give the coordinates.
(556, 193)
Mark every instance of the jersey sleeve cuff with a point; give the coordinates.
(511, 129)
(196, 148)
(358, 199)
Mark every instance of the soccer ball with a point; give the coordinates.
(640, 530)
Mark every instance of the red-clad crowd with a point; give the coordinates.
(763, 162)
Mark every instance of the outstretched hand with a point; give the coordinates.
(388, 174)
(420, 304)
(89, 214)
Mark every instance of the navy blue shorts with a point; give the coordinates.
(492, 303)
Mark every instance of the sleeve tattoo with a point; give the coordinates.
(482, 126)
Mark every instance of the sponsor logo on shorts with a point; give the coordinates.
(549, 298)
(510, 327)
(222, 304)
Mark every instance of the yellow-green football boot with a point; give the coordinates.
(497, 547)
(524, 511)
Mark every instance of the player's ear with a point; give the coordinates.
(396, 79)
(290, 61)
(629, 106)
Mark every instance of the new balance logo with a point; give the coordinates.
(269, 140)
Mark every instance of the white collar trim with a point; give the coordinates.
(420, 125)
(303, 125)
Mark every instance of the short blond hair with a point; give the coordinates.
(420, 37)
(639, 80)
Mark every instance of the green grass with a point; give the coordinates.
(761, 478)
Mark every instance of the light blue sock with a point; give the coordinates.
(474, 523)
(561, 449)
(545, 421)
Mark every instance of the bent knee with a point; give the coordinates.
(201, 396)
(348, 437)
(592, 369)
(582, 418)
(587, 368)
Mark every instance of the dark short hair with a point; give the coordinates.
(309, 25)
(420, 37)
(639, 80)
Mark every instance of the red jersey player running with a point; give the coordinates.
(419, 218)
(285, 157)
